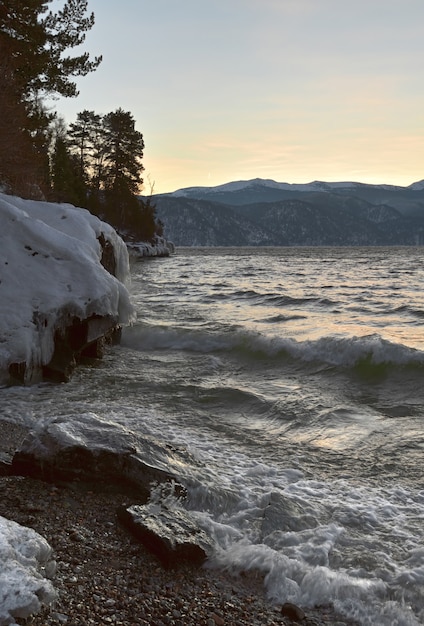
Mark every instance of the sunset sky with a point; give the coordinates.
(292, 90)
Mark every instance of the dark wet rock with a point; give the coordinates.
(74, 341)
(170, 533)
(5, 464)
(108, 259)
(79, 340)
(90, 449)
(18, 373)
(292, 612)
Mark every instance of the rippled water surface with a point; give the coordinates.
(294, 378)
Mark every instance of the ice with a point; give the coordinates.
(50, 271)
(25, 559)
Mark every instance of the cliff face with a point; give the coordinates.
(62, 291)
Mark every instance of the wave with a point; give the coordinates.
(256, 298)
(277, 300)
(361, 353)
(418, 313)
(283, 318)
(301, 540)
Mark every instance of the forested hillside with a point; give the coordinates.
(318, 214)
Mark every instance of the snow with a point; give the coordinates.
(418, 186)
(316, 185)
(255, 182)
(25, 561)
(50, 271)
(160, 247)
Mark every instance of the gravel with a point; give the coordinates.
(104, 576)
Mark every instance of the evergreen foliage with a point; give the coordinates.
(97, 162)
(109, 152)
(34, 64)
(85, 140)
(67, 184)
(123, 151)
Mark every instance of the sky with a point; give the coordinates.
(290, 90)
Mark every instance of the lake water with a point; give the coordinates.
(294, 378)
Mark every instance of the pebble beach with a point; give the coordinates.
(104, 576)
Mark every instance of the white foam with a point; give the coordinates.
(318, 542)
(357, 546)
(332, 350)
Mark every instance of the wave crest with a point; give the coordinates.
(347, 352)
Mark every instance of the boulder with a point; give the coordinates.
(292, 612)
(91, 449)
(169, 532)
(64, 294)
(283, 513)
(75, 339)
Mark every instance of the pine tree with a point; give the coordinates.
(123, 150)
(18, 160)
(23, 38)
(61, 171)
(109, 151)
(85, 141)
(34, 63)
(38, 42)
(67, 183)
(145, 225)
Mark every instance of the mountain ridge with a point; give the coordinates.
(316, 185)
(265, 212)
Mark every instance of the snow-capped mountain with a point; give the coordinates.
(418, 186)
(266, 212)
(259, 182)
(259, 189)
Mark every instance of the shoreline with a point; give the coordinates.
(104, 576)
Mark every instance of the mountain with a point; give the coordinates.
(265, 212)
(418, 186)
(192, 222)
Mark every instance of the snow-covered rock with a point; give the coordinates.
(51, 275)
(25, 563)
(159, 248)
